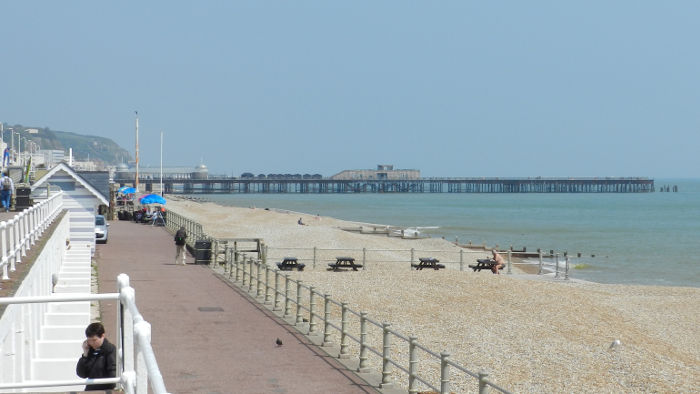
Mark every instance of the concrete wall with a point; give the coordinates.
(20, 325)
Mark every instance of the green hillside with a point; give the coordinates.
(84, 146)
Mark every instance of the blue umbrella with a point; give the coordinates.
(127, 190)
(152, 199)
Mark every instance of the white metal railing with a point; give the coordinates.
(297, 301)
(138, 365)
(18, 234)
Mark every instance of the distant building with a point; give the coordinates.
(383, 171)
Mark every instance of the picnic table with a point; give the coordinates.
(344, 262)
(428, 262)
(483, 264)
(289, 264)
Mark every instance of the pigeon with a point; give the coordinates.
(278, 342)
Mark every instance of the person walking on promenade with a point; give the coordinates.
(98, 359)
(499, 263)
(6, 188)
(180, 236)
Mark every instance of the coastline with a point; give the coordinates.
(530, 335)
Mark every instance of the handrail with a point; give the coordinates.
(131, 325)
(24, 229)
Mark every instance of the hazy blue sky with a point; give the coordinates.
(453, 88)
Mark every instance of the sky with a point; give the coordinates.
(452, 88)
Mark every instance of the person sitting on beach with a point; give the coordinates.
(299, 222)
(498, 262)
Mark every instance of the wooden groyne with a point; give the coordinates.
(190, 185)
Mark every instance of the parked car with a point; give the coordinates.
(101, 229)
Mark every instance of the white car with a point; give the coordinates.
(101, 229)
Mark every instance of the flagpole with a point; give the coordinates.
(161, 163)
(136, 179)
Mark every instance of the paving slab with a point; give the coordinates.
(207, 335)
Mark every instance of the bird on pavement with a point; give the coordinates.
(278, 342)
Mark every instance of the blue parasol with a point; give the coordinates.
(152, 199)
(127, 190)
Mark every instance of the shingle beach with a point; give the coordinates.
(529, 335)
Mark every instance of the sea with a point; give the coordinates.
(622, 238)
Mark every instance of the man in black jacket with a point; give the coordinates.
(99, 358)
(180, 236)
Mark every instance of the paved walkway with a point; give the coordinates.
(209, 337)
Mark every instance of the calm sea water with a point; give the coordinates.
(649, 238)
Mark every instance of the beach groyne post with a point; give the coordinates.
(444, 372)
(326, 320)
(287, 310)
(364, 259)
(566, 268)
(539, 252)
(299, 318)
(343, 331)
(483, 387)
(556, 265)
(413, 256)
(461, 260)
(312, 311)
(362, 367)
(510, 262)
(412, 364)
(386, 350)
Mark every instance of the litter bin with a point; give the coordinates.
(22, 198)
(202, 252)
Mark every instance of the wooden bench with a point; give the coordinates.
(428, 262)
(289, 264)
(483, 264)
(344, 262)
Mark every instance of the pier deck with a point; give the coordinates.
(188, 185)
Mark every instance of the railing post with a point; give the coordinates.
(364, 258)
(258, 278)
(386, 348)
(314, 262)
(461, 259)
(275, 298)
(142, 329)
(412, 365)
(509, 262)
(299, 318)
(483, 388)
(540, 271)
(267, 284)
(3, 231)
(286, 295)
(312, 311)
(245, 274)
(326, 320)
(363, 343)
(444, 372)
(237, 266)
(344, 331)
(250, 274)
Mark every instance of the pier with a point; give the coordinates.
(187, 184)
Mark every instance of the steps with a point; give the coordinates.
(63, 329)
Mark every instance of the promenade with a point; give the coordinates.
(208, 336)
